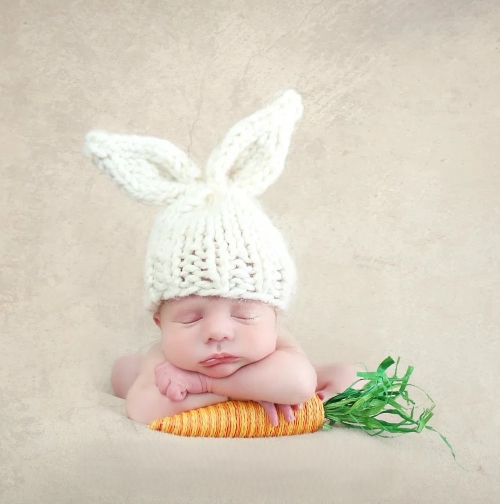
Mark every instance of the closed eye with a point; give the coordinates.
(244, 318)
(187, 322)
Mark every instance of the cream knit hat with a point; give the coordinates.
(213, 239)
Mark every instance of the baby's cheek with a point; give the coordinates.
(176, 351)
(263, 347)
(222, 371)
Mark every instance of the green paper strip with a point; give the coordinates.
(380, 395)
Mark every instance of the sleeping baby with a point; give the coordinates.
(217, 274)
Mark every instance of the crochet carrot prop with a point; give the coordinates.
(353, 408)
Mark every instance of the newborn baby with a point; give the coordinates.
(216, 273)
(214, 349)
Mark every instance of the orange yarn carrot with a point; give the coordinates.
(245, 419)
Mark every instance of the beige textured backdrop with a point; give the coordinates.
(390, 203)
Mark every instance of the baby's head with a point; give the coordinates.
(216, 336)
(213, 246)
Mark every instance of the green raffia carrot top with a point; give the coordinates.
(381, 395)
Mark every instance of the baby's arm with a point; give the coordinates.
(284, 377)
(144, 401)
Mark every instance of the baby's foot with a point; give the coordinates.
(176, 383)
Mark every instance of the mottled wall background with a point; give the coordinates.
(389, 201)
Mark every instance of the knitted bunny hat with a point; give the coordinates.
(213, 239)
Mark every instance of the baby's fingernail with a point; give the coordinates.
(300, 406)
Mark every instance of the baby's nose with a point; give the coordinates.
(217, 336)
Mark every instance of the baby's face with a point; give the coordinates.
(216, 336)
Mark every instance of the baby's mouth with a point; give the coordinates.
(221, 358)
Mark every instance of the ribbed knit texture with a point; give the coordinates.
(213, 239)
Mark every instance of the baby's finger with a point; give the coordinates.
(296, 407)
(163, 385)
(175, 393)
(159, 379)
(287, 411)
(271, 412)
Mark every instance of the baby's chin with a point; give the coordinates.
(221, 370)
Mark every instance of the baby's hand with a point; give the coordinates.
(176, 383)
(272, 409)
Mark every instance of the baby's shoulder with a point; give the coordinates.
(286, 339)
(152, 357)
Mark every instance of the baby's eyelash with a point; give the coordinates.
(191, 321)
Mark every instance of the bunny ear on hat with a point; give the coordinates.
(252, 154)
(152, 170)
(148, 169)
